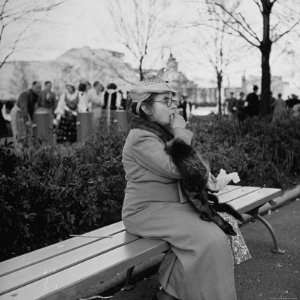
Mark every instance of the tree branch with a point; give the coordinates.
(240, 23)
(1, 32)
(274, 1)
(258, 5)
(8, 16)
(13, 48)
(3, 7)
(279, 36)
(251, 31)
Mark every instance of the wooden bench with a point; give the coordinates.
(77, 266)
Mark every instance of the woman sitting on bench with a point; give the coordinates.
(200, 264)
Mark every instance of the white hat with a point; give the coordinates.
(143, 90)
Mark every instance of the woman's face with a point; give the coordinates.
(70, 89)
(162, 109)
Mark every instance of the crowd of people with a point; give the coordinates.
(249, 106)
(18, 119)
(64, 108)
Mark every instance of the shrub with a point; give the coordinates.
(263, 153)
(48, 193)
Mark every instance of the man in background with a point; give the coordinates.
(231, 104)
(48, 98)
(240, 104)
(252, 103)
(23, 111)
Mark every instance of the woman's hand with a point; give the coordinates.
(177, 121)
(177, 124)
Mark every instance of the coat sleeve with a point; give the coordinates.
(149, 152)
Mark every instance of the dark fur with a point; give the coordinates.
(194, 173)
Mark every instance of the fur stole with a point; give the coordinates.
(194, 176)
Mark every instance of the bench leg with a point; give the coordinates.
(128, 284)
(276, 249)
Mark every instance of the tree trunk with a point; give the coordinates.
(265, 49)
(265, 82)
(141, 68)
(219, 85)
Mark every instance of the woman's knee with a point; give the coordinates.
(213, 239)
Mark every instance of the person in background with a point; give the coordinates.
(111, 97)
(183, 106)
(231, 104)
(5, 119)
(84, 105)
(95, 100)
(190, 107)
(66, 115)
(252, 103)
(95, 95)
(112, 102)
(272, 102)
(296, 111)
(279, 109)
(291, 101)
(22, 113)
(88, 85)
(240, 105)
(123, 100)
(48, 98)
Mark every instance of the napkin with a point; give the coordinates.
(218, 183)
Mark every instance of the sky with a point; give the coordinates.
(79, 23)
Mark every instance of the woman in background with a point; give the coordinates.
(66, 115)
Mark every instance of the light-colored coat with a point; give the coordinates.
(150, 174)
(200, 263)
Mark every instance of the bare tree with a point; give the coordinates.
(21, 15)
(138, 26)
(216, 49)
(217, 46)
(284, 19)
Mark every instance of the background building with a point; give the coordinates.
(178, 81)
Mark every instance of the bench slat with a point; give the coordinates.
(58, 263)
(48, 252)
(73, 281)
(228, 188)
(237, 193)
(255, 199)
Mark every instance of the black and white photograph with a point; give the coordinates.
(150, 149)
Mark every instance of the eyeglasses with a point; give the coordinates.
(168, 102)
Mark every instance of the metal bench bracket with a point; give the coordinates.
(128, 282)
(255, 214)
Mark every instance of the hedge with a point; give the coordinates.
(263, 153)
(48, 193)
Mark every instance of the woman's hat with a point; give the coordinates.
(144, 89)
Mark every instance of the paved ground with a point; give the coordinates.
(265, 277)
